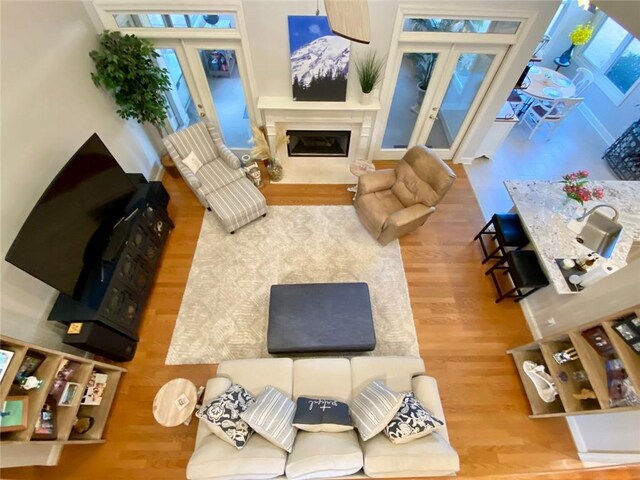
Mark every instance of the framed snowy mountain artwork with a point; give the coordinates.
(319, 60)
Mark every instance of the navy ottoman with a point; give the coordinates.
(320, 317)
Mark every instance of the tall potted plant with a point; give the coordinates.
(424, 68)
(126, 66)
(369, 69)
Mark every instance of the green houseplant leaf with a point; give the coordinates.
(369, 68)
(126, 66)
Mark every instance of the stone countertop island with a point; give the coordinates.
(539, 205)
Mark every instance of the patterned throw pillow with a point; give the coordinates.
(222, 416)
(374, 408)
(412, 421)
(192, 162)
(318, 415)
(272, 417)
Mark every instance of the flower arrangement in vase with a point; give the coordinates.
(577, 187)
(579, 36)
(261, 151)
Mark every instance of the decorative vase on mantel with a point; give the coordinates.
(565, 58)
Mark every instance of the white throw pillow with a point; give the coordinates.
(192, 162)
(374, 408)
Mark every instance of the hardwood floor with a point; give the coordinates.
(463, 337)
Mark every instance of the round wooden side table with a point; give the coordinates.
(175, 402)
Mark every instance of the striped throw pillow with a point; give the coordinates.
(374, 408)
(271, 416)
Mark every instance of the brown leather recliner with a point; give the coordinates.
(392, 203)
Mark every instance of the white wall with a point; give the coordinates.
(49, 108)
(269, 43)
(615, 118)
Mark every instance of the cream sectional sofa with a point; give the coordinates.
(323, 455)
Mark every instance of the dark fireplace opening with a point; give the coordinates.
(318, 143)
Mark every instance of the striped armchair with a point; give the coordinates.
(220, 184)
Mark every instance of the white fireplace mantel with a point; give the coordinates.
(287, 103)
(286, 114)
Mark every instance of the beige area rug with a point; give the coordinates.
(224, 310)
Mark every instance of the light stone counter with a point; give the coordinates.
(539, 205)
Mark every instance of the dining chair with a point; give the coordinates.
(540, 113)
(582, 79)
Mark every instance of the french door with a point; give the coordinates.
(437, 91)
(209, 82)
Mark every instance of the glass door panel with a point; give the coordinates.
(182, 109)
(225, 84)
(467, 79)
(414, 76)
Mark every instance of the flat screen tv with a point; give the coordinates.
(68, 229)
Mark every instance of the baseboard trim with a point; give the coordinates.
(595, 122)
(604, 458)
(464, 160)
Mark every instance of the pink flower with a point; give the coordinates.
(598, 192)
(583, 173)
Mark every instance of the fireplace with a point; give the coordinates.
(318, 143)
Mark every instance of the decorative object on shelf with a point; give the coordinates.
(585, 394)
(66, 373)
(599, 340)
(14, 414)
(629, 330)
(69, 394)
(580, 376)
(245, 160)
(369, 69)
(126, 66)
(30, 363)
(579, 36)
(29, 383)
(621, 391)
(252, 171)
(5, 361)
(587, 261)
(543, 382)
(95, 389)
(46, 425)
(83, 424)
(576, 186)
(568, 263)
(564, 356)
(319, 60)
(563, 377)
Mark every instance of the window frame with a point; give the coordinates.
(599, 73)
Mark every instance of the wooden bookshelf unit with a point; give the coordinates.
(588, 371)
(65, 416)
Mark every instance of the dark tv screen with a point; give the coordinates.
(68, 229)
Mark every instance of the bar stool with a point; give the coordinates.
(525, 272)
(507, 231)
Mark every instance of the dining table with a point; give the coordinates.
(548, 85)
